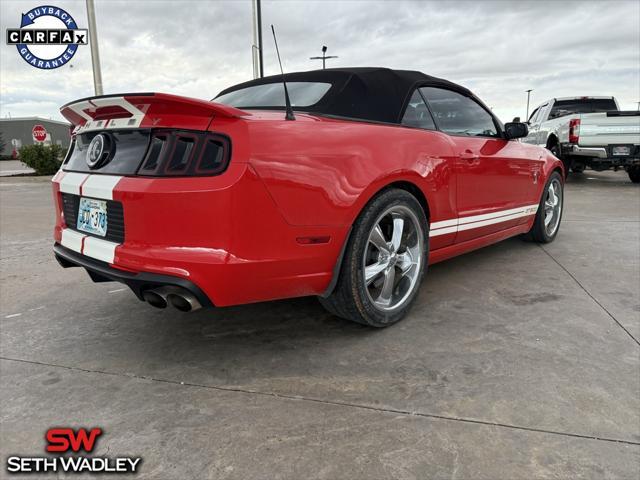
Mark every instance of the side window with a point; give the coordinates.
(533, 114)
(417, 114)
(459, 115)
(542, 112)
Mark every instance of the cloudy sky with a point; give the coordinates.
(498, 49)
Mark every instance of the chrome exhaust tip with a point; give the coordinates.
(184, 301)
(154, 299)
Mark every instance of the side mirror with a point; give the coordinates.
(515, 130)
(516, 120)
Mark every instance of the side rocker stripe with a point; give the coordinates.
(502, 213)
(443, 231)
(477, 221)
(492, 221)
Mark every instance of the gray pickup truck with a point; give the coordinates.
(588, 132)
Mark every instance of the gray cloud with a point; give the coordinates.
(196, 48)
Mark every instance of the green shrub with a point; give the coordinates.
(45, 160)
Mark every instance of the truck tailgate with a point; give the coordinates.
(610, 128)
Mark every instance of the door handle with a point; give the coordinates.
(469, 156)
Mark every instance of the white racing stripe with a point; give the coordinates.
(133, 121)
(90, 246)
(95, 186)
(443, 231)
(477, 221)
(99, 249)
(445, 223)
(100, 186)
(491, 221)
(71, 182)
(72, 240)
(501, 213)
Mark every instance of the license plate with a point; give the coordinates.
(621, 150)
(92, 216)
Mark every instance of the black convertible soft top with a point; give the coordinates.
(368, 93)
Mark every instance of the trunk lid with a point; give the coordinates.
(150, 134)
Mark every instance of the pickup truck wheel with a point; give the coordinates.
(554, 148)
(547, 222)
(634, 173)
(384, 262)
(577, 168)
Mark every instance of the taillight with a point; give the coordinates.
(574, 130)
(158, 153)
(185, 153)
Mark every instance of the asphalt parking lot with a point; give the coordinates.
(517, 361)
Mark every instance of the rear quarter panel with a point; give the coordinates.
(322, 171)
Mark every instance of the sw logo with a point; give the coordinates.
(48, 37)
(65, 441)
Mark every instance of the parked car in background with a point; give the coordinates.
(588, 132)
(369, 176)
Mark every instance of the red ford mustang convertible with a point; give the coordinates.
(345, 188)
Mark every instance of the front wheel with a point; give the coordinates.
(547, 222)
(384, 262)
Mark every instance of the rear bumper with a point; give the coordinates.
(603, 154)
(224, 234)
(593, 152)
(138, 282)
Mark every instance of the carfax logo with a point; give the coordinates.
(48, 37)
(67, 441)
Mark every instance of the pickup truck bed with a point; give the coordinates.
(599, 140)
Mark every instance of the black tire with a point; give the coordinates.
(634, 173)
(577, 168)
(555, 149)
(351, 298)
(539, 232)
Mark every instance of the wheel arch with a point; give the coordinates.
(405, 185)
(413, 189)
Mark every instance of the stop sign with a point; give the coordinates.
(39, 133)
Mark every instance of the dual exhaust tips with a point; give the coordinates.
(180, 298)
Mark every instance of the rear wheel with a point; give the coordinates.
(577, 168)
(555, 149)
(547, 222)
(384, 262)
(634, 173)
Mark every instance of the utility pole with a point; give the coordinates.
(93, 43)
(526, 118)
(256, 48)
(323, 57)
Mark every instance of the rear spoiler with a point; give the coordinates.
(144, 110)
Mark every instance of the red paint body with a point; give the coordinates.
(240, 236)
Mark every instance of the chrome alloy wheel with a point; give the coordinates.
(552, 207)
(393, 258)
